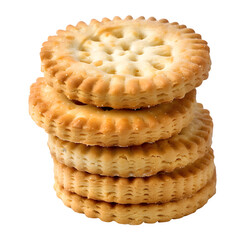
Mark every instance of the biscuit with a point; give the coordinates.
(139, 161)
(137, 213)
(125, 63)
(160, 188)
(87, 124)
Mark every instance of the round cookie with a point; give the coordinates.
(137, 213)
(128, 63)
(139, 161)
(76, 122)
(160, 188)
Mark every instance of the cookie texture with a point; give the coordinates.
(125, 63)
(128, 140)
(80, 123)
(137, 213)
(139, 161)
(160, 188)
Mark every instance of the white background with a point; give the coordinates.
(29, 206)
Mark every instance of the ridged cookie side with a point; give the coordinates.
(137, 213)
(80, 123)
(84, 82)
(160, 188)
(139, 161)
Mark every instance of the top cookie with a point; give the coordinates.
(125, 63)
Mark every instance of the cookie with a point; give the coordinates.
(139, 161)
(80, 123)
(128, 63)
(160, 188)
(137, 213)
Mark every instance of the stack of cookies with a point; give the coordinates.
(118, 100)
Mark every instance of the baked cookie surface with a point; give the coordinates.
(87, 124)
(137, 213)
(160, 188)
(139, 161)
(125, 63)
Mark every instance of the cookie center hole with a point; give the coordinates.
(109, 51)
(133, 58)
(118, 34)
(141, 36)
(157, 66)
(125, 47)
(139, 52)
(137, 73)
(110, 71)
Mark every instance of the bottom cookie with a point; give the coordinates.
(137, 213)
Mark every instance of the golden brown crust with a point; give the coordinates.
(139, 161)
(91, 125)
(160, 188)
(125, 63)
(137, 213)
